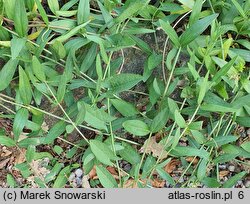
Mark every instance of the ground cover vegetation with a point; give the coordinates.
(74, 114)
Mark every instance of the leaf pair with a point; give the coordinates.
(190, 34)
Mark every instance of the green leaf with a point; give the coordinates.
(42, 12)
(136, 127)
(97, 117)
(38, 69)
(35, 141)
(154, 60)
(123, 82)
(71, 152)
(7, 73)
(179, 119)
(233, 180)
(202, 170)
(223, 71)
(217, 108)
(83, 11)
(147, 167)
(198, 136)
(4, 140)
(20, 19)
(129, 154)
(196, 29)
(131, 10)
(59, 50)
(53, 5)
(164, 175)
(125, 108)
(221, 140)
(17, 44)
(9, 8)
(243, 121)
(70, 33)
(159, 121)
(203, 88)
(190, 151)
(225, 158)
(11, 181)
(193, 71)
(89, 58)
(20, 121)
(170, 32)
(57, 149)
(30, 153)
(24, 168)
(102, 152)
(210, 182)
(55, 131)
(196, 11)
(106, 179)
(240, 9)
(81, 113)
(24, 87)
(61, 88)
(42, 155)
(246, 146)
(53, 172)
(176, 137)
(188, 3)
(99, 67)
(62, 178)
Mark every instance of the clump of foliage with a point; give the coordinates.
(69, 53)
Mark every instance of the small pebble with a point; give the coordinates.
(71, 177)
(79, 173)
(247, 183)
(231, 168)
(78, 181)
(223, 166)
(248, 132)
(181, 180)
(178, 185)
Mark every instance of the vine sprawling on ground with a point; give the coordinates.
(73, 114)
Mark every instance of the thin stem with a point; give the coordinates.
(74, 125)
(171, 73)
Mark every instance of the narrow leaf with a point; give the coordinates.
(4, 140)
(38, 69)
(102, 152)
(170, 32)
(196, 29)
(24, 87)
(7, 73)
(125, 108)
(83, 11)
(136, 127)
(106, 179)
(20, 19)
(20, 121)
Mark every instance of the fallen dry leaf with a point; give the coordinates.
(20, 158)
(38, 168)
(172, 165)
(85, 181)
(157, 183)
(192, 159)
(6, 153)
(92, 174)
(4, 163)
(112, 170)
(130, 183)
(155, 148)
(223, 173)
